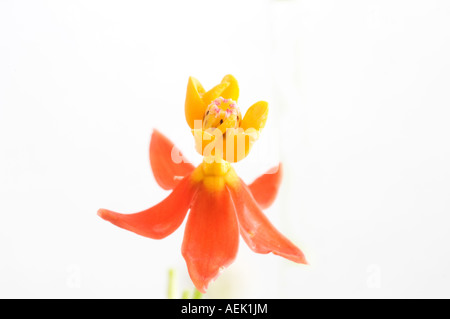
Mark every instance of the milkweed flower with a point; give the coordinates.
(221, 205)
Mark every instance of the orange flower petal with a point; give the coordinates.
(211, 238)
(169, 166)
(265, 188)
(160, 220)
(259, 234)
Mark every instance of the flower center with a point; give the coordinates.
(222, 114)
(216, 175)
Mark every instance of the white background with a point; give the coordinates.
(359, 115)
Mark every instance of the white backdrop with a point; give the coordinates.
(359, 115)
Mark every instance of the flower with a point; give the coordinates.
(216, 122)
(222, 206)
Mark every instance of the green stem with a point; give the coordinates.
(185, 294)
(172, 289)
(197, 294)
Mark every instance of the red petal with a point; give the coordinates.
(211, 238)
(265, 188)
(259, 234)
(160, 220)
(168, 164)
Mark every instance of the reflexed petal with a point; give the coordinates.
(160, 220)
(211, 238)
(265, 188)
(256, 116)
(259, 234)
(169, 166)
(232, 91)
(194, 107)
